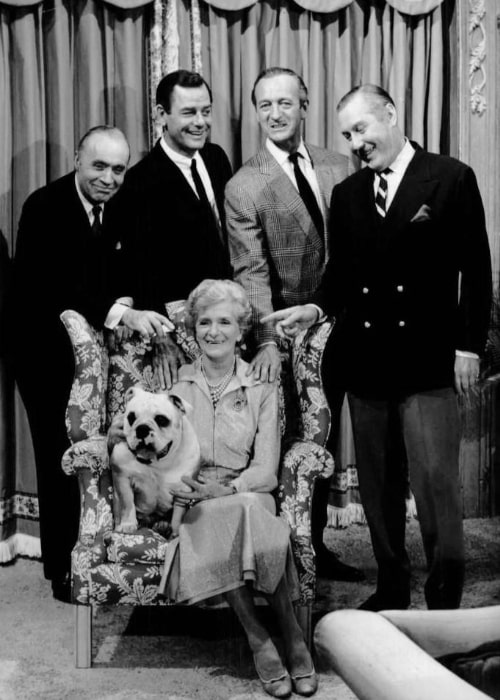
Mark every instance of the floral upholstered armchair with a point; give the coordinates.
(126, 569)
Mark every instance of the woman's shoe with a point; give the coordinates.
(305, 683)
(280, 687)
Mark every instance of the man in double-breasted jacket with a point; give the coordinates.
(409, 281)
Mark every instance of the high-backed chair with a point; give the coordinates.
(126, 569)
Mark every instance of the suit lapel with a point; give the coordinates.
(415, 189)
(323, 175)
(282, 190)
(215, 178)
(75, 206)
(172, 172)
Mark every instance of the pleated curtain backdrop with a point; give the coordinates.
(67, 65)
(400, 44)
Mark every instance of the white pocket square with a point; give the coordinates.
(423, 214)
(118, 246)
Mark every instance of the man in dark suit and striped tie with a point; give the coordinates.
(410, 282)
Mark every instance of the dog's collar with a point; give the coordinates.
(159, 455)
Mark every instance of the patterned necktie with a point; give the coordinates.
(381, 196)
(306, 193)
(96, 227)
(202, 194)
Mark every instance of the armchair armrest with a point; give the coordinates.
(302, 463)
(91, 454)
(88, 459)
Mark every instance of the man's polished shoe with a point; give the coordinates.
(329, 566)
(61, 588)
(376, 603)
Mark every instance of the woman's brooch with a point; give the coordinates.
(239, 401)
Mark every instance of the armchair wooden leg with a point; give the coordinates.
(303, 614)
(83, 636)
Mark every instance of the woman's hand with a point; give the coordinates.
(201, 490)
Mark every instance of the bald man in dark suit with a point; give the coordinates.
(67, 257)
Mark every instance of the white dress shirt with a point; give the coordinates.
(184, 165)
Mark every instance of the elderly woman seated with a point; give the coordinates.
(231, 542)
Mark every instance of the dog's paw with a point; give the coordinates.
(127, 528)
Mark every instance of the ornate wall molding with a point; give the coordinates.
(477, 56)
(197, 64)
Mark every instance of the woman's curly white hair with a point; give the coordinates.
(210, 292)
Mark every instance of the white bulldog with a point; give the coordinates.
(161, 447)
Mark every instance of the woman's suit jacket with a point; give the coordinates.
(410, 289)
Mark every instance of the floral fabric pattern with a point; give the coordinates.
(112, 568)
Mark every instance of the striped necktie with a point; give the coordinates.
(381, 195)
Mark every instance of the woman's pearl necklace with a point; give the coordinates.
(216, 390)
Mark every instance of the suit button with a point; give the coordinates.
(402, 324)
(365, 290)
(367, 324)
(399, 287)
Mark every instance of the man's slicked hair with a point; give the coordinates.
(374, 94)
(182, 78)
(278, 70)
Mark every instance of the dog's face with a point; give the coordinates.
(153, 422)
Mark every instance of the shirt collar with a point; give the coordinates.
(88, 206)
(282, 156)
(402, 160)
(178, 158)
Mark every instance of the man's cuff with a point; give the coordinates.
(321, 313)
(466, 353)
(268, 342)
(116, 312)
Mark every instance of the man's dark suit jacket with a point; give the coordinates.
(58, 265)
(411, 289)
(171, 244)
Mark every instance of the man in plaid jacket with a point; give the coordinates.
(277, 208)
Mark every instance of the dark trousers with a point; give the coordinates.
(426, 426)
(45, 388)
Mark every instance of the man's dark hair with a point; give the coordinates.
(101, 129)
(277, 70)
(182, 78)
(374, 94)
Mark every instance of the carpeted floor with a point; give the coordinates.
(186, 654)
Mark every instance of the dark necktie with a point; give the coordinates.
(202, 194)
(381, 195)
(96, 227)
(307, 194)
